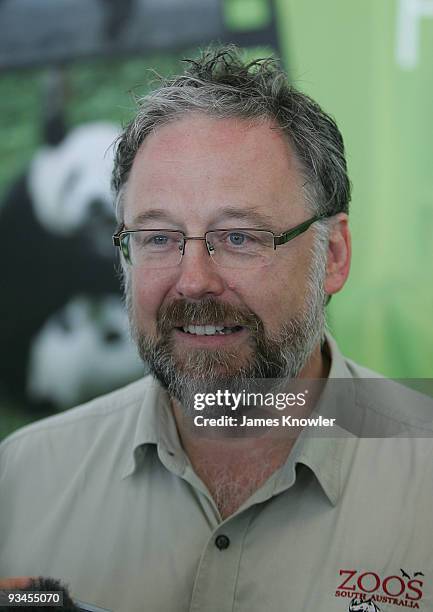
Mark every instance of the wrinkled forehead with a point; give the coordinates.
(197, 164)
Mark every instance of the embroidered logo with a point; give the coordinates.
(366, 605)
(366, 590)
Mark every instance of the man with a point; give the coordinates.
(232, 199)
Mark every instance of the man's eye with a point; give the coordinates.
(145, 240)
(238, 239)
(159, 240)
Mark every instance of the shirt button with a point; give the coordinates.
(222, 542)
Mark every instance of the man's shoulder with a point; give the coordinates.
(359, 371)
(101, 414)
(402, 405)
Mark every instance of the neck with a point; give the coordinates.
(233, 468)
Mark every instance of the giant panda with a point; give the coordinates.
(63, 331)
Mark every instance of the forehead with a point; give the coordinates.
(198, 164)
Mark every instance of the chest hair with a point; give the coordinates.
(231, 484)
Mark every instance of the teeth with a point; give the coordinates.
(206, 330)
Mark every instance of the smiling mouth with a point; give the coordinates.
(209, 330)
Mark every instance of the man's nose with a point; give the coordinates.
(198, 276)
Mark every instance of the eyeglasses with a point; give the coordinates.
(244, 248)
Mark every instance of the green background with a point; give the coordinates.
(344, 54)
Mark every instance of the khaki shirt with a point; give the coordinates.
(104, 498)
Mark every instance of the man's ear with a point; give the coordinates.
(339, 254)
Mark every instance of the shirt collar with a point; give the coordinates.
(339, 368)
(325, 456)
(155, 426)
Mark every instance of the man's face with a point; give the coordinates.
(199, 174)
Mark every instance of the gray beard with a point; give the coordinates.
(273, 357)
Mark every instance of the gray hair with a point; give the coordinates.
(220, 84)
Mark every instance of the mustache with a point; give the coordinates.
(210, 312)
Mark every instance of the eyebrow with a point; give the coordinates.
(249, 214)
(154, 214)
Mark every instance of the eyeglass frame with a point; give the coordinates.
(278, 239)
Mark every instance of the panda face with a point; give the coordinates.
(65, 327)
(82, 351)
(70, 184)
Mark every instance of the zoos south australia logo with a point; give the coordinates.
(366, 589)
